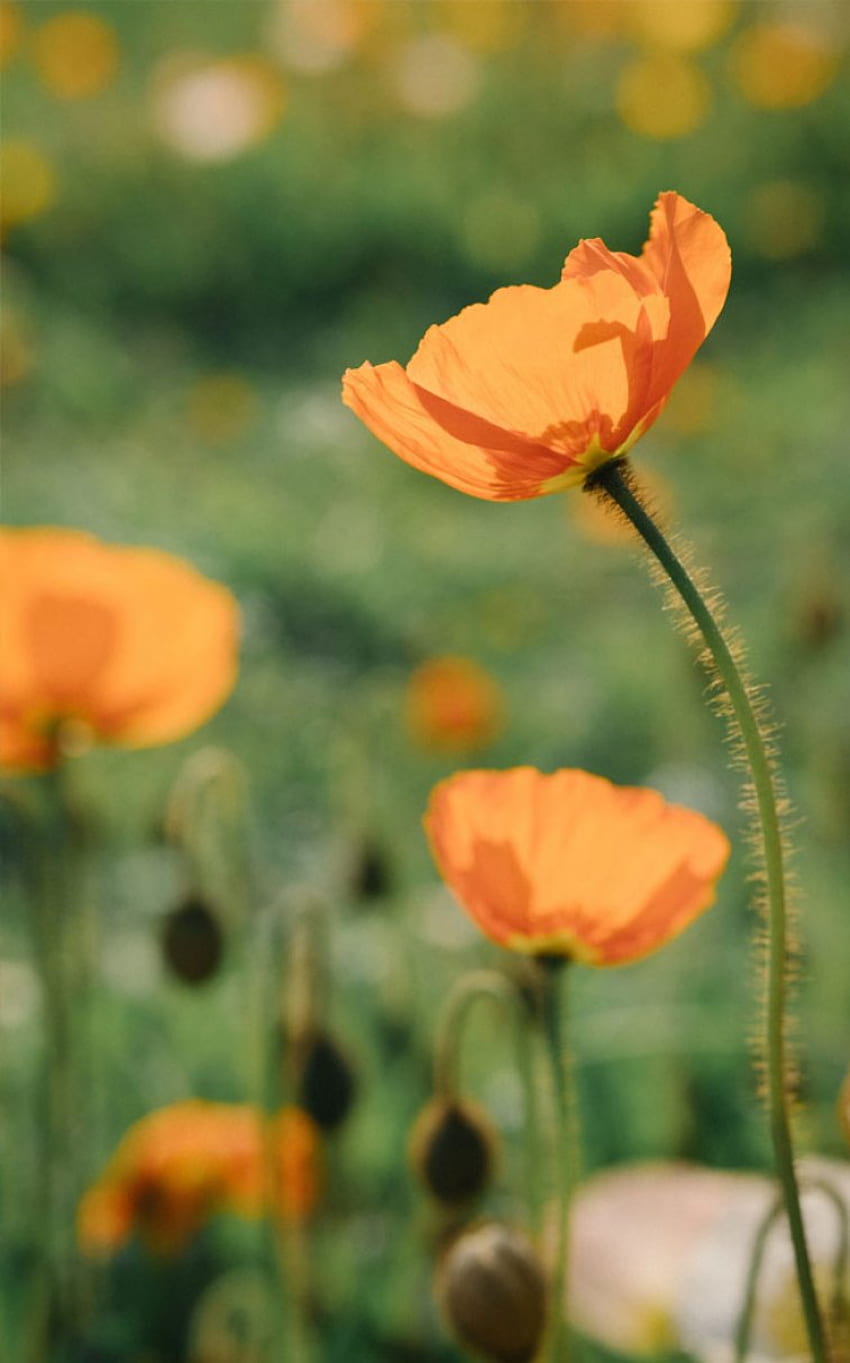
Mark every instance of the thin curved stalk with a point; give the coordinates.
(469, 990)
(610, 480)
(771, 1217)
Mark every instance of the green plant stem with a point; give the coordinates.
(611, 481)
(62, 945)
(771, 1217)
(470, 989)
(553, 971)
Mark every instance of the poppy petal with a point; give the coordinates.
(529, 857)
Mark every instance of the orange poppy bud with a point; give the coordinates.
(570, 864)
(125, 646)
(534, 390)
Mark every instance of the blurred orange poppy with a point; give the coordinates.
(181, 1164)
(534, 390)
(122, 645)
(570, 865)
(453, 705)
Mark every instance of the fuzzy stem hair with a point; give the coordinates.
(754, 748)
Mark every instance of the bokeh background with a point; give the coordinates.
(210, 209)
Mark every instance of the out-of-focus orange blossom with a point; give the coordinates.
(221, 407)
(75, 55)
(11, 30)
(28, 181)
(663, 96)
(212, 110)
(182, 1164)
(784, 218)
(106, 643)
(689, 26)
(452, 705)
(781, 65)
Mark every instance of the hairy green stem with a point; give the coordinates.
(553, 1024)
(611, 481)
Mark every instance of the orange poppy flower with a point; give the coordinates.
(534, 390)
(182, 1164)
(127, 646)
(570, 865)
(453, 705)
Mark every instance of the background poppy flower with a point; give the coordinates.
(453, 705)
(183, 1163)
(569, 864)
(133, 645)
(532, 391)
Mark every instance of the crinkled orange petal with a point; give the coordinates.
(133, 642)
(437, 438)
(531, 391)
(686, 263)
(570, 864)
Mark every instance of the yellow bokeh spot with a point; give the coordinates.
(11, 30)
(784, 218)
(681, 25)
(214, 110)
(662, 96)
(27, 179)
(483, 25)
(75, 55)
(16, 355)
(221, 407)
(781, 66)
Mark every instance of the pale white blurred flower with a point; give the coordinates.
(634, 1232)
(212, 110)
(661, 1253)
(435, 75)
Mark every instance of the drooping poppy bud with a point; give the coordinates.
(453, 1150)
(326, 1084)
(492, 1291)
(193, 941)
(371, 872)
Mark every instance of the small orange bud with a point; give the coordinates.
(492, 1290)
(452, 1150)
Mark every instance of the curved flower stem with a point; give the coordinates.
(553, 973)
(611, 481)
(470, 988)
(772, 1216)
